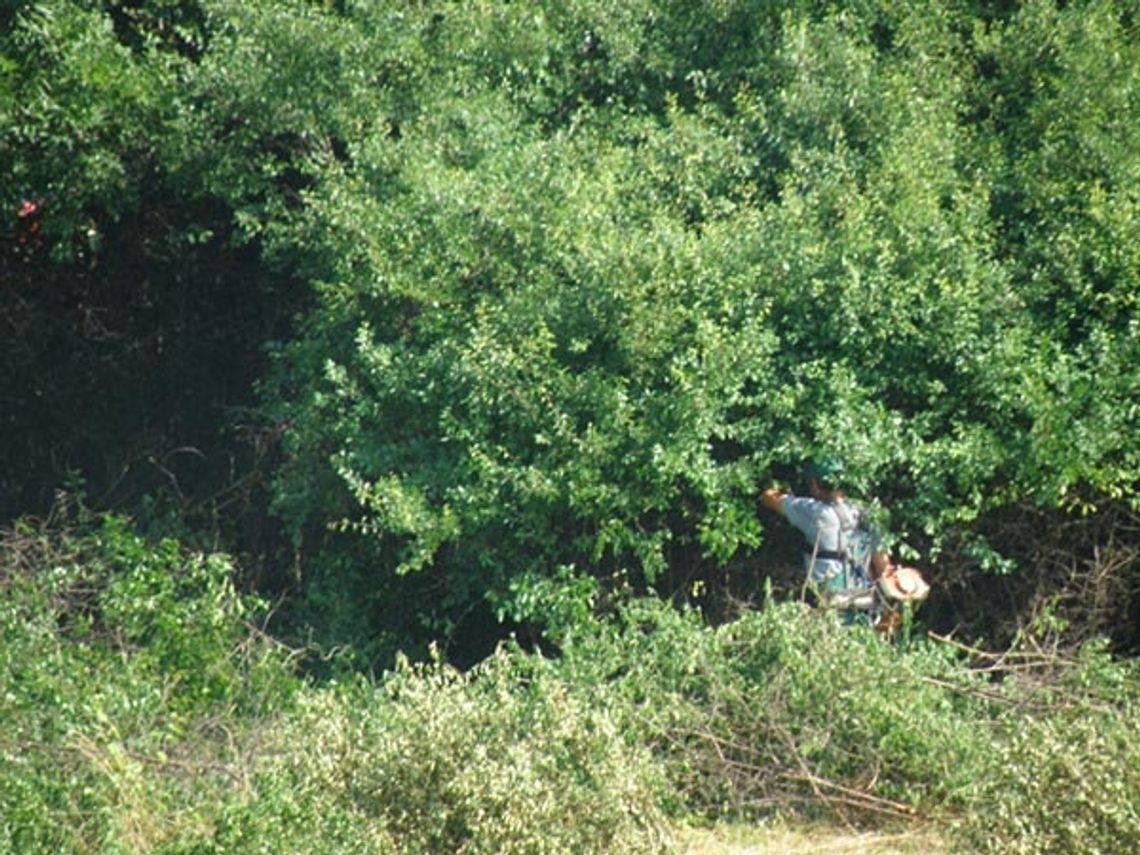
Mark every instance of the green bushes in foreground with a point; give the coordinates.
(144, 713)
(1063, 774)
(129, 682)
(788, 711)
(434, 761)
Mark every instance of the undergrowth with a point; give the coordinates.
(145, 711)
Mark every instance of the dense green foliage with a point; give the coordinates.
(577, 320)
(579, 278)
(144, 712)
(442, 321)
(1044, 791)
(123, 663)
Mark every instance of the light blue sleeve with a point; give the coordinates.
(804, 513)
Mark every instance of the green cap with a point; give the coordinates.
(828, 471)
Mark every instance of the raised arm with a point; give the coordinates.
(771, 499)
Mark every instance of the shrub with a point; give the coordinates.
(786, 710)
(129, 675)
(143, 713)
(503, 760)
(1064, 772)
(579, 318)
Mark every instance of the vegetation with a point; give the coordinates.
(147, 713)
(467, 335)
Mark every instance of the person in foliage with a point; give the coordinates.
(834, 529)
(844, 561)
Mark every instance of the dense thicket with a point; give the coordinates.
(135, 308)
(569, 282)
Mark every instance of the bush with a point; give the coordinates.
(143, 713)
(787, 710)
(504, 760)
(580, 317)
(130, 674)
(1064, 773)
